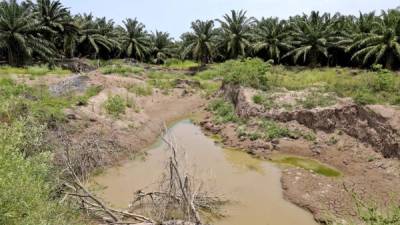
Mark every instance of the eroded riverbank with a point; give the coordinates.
(251, 185)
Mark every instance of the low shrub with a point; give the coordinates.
(115, 105)
(247, 72)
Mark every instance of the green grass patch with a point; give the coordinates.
(121, 69)
(33, 70)
(307, 164)
(317, 99)
(141, 89)
(365, 87)
(180, 64)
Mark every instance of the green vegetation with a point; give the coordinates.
(307, 164)
(269, 130)
(141, 89)
(121, 69)
(247, 72)
(365, 87)
(90, 92)
(28, 183)
(266, 99)
(180, 64)
(33, 70)
(317, 99)
(223, 111)
(28, 31)
(115, 105)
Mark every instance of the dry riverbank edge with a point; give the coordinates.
(358, 153)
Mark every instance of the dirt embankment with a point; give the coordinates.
(361, 142)
(375, 125)
(97, 139)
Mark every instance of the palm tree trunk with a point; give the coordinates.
(389, 61)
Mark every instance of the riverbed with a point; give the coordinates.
(251, 185)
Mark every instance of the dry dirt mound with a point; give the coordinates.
(363, 123)
(75, 83)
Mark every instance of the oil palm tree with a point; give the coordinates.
(270, 37)
(201, 42)
(236, 35)
(135, 39)
(21, 35)
(92, 37)
(311, 35)
(162, 46)
(358, 29)
(382, 44)
(56, 17)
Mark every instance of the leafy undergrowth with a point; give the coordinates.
(307, 164)
(33, 71)
(28, 179)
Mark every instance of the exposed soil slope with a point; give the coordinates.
(361, 142)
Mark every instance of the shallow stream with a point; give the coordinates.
(252, 185)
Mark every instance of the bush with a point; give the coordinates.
(248, 72)
(115, 105)
(26, 183)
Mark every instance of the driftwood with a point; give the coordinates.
(178, 191)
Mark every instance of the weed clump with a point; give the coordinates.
(224, 111)
(115, 105)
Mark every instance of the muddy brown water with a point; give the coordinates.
(252, 185)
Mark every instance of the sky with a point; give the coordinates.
(175, 16)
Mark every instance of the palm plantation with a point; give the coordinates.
(28, 31)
